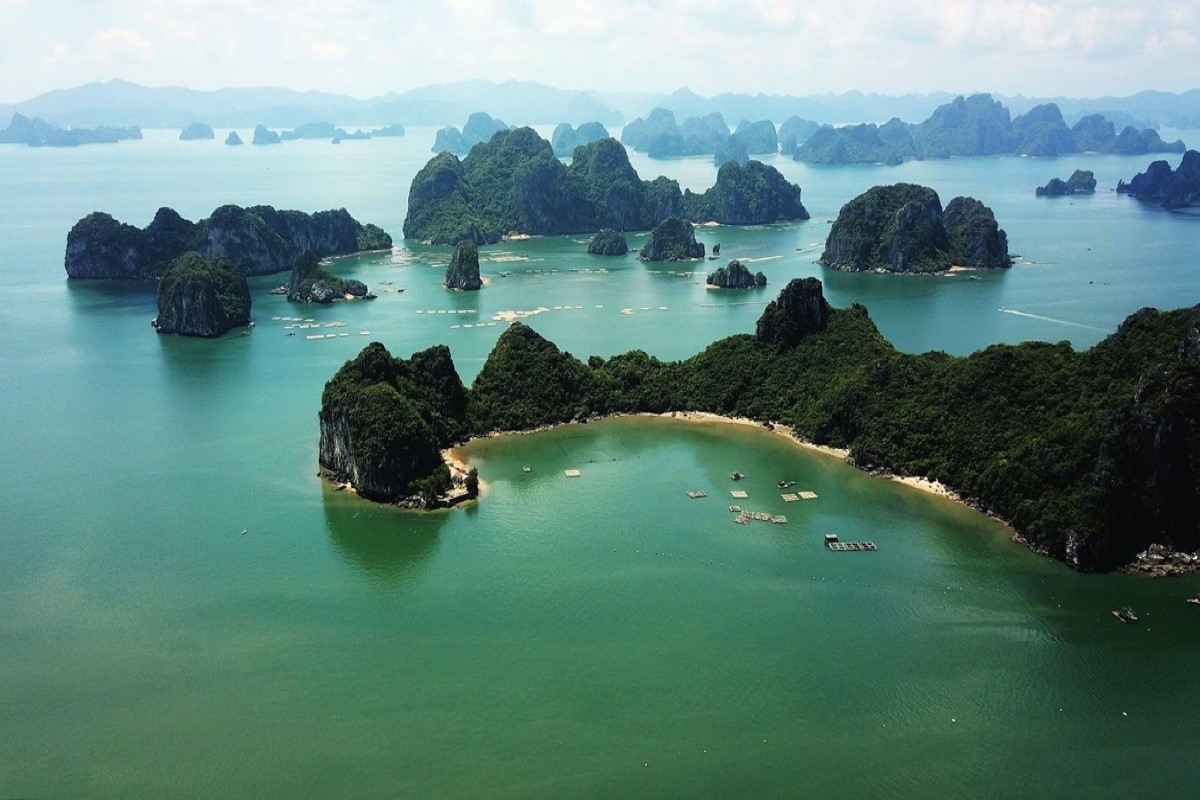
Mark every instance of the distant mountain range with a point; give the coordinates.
(120, 103)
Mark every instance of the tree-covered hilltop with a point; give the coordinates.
(608, 242)
(736, 275)
(869, 143)
(385, 420)
(902, 228)
(1171, 189)
(463, 272)
(257, 240)
(198, 297)
(746, 194)
(673, 239)
(1090, 455)
(514, 183)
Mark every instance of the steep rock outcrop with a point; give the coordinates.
(308, 283)
(799, 311)
(971, 126)
(450, 140)
(759, 138)
(736, 276)
(1082, 181)
(902, 228)
(1172, 189)
(974, 240)
(749, 194)
(257, 240)
(673, 239)
(264, 136)
(463, 272)
(794, 132)
(233, 140)
(890, 143)
(608, 242)
(197, 297)
(514, 183)
(1042, 132)
(565, 139)
(196, 130)
(384, 422)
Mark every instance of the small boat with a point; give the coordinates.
(1194, 600)
(526, 468)
(736, 476)
(1125, 614)
(785, 484)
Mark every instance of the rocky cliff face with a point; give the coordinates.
(608, 242)
(974, 240)
(233, 140)
(196, 130)
(565, 139)
(800, 310)
(736, 276)
(384, 421)
(197, 297)
(258, 240)
(672, 239)
(747, 194)
(264, 136)
(902, 228)
(1172, 189)
(1081, 182)
(463, 272)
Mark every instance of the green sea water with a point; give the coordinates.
(602, 635)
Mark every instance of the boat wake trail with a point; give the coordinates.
(1049, 319)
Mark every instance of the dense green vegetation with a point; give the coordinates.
(746, 194)
(736, 275)
(514, 183)
(673, 239)
(565, 139)
(198, 297)
(902, 228)
(257, 240)
(1090, 455)
(309, 283)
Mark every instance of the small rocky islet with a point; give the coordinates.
(1082, 181)
(201, 297)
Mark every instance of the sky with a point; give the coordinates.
(364, 48)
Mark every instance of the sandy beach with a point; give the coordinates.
(456, 459)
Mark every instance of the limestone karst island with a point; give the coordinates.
(630, 399)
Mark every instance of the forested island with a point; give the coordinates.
(514, 183)
(902, 228)
(309, 283)
(1091, 456)
(480, 127)
(199, 297)
(1171, 189)
(1082, 181)
(256, 240)
(565, 139)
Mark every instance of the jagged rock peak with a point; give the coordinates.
(673, 239)
(800, 310)
(608, 242)
(463, 272)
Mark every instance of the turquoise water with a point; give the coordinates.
(600, 635)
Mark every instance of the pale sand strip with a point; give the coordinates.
(455, 458)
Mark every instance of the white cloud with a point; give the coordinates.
(119, 46)
(365, 47)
